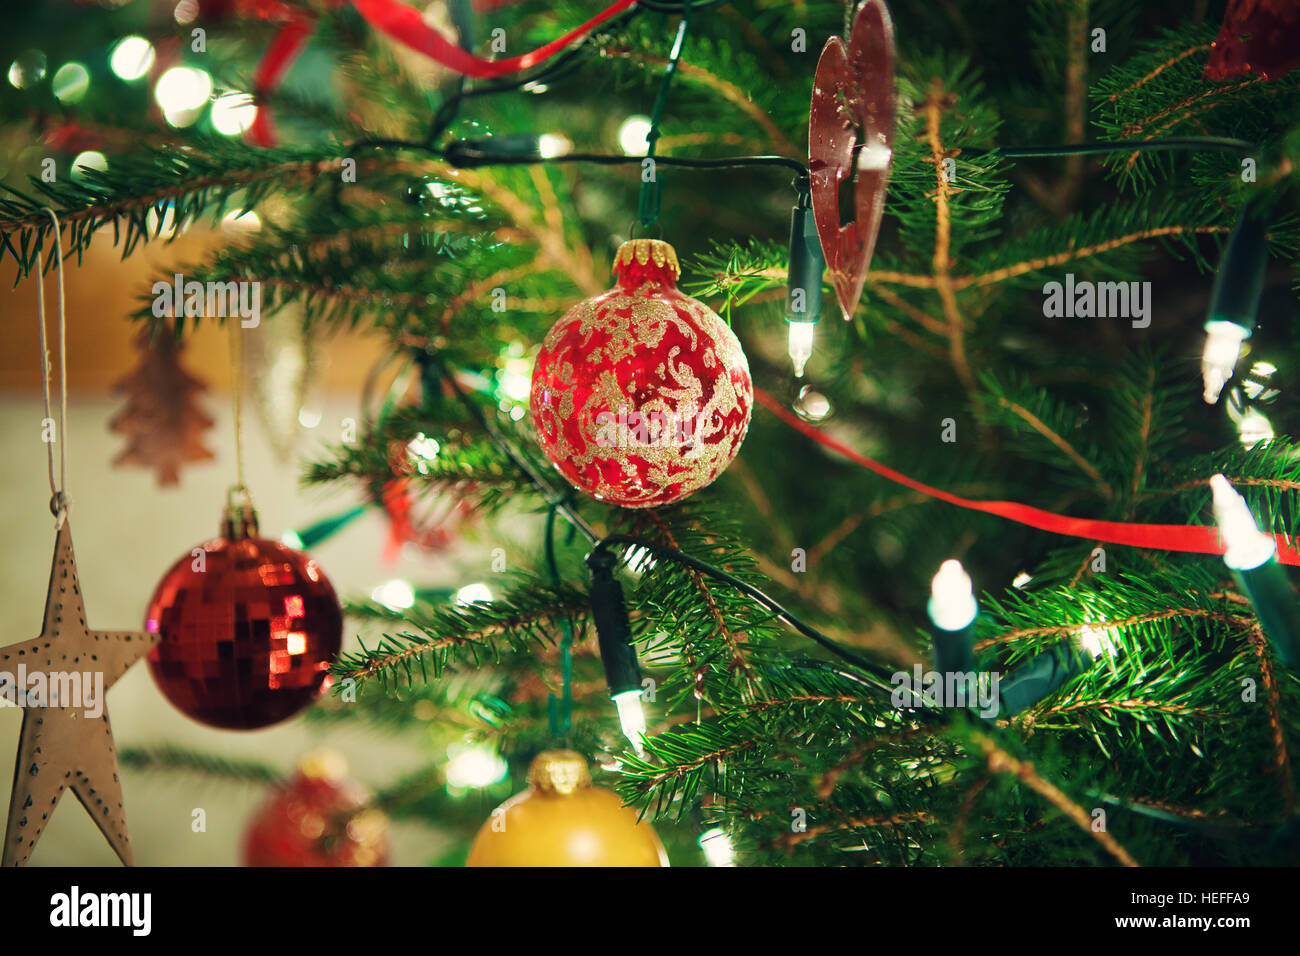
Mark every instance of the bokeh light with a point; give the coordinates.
(182, 92)
(474, 766)
(70, 82)
(90, 159)
(632, 135)
(27, 70)
(477, 593)
(232, 113)
(132, 58)
(394, 595)
(717, 848)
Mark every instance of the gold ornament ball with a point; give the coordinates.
(562, 820)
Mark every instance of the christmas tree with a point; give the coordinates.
(1026, 384)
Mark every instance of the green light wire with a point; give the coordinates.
(560, 712)
(651, 190)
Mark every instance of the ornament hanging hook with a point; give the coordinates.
(656, 226)
(60, 503)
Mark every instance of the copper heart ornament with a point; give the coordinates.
(851, 131)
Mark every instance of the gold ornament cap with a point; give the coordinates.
(238, 517)
(561, 772)
(323, 765)
(645, 251)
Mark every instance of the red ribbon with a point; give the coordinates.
(1194, 539)
(285, 46)
(405, 25)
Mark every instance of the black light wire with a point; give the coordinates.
(782, 614)
(1174, 143)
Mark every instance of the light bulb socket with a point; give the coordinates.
(326, 528)
(613, 630)
(954, 651)
(1239, 282)
(1038, 677)
(472, 153)
(803, 297)
(1275, 604)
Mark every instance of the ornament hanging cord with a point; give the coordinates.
(59, 502)
(648, 206)
(237, 408)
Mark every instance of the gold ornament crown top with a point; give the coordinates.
(559, 771)
(645, 251)
(323, 765)
(238, 517)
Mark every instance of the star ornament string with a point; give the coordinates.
(59, 501)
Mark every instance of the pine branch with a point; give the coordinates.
(182, 181)
(170, 758)
(472, 636)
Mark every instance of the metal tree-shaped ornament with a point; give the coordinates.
(851, 141)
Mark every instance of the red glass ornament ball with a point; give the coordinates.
(641, 396)
(247, 629)
(317, 819)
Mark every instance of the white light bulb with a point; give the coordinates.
(90, 159)
(474, 766)
(631, 717)
(183, 89)
(232, 113)
(1096, 643)
(1248, 547)
(1219, 360)
(131, 58)
(952, 604)
(421, 450)
(801, 345)
(717, 847)
(874, 156)
(478, 593)
(1254, 428)
(394, 595)
(632, 135)
(237, 221)
(550, 145)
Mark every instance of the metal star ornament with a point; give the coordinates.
(66, 742)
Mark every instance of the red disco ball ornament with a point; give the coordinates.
(319, 818)
(247, 628)
(641, 395)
